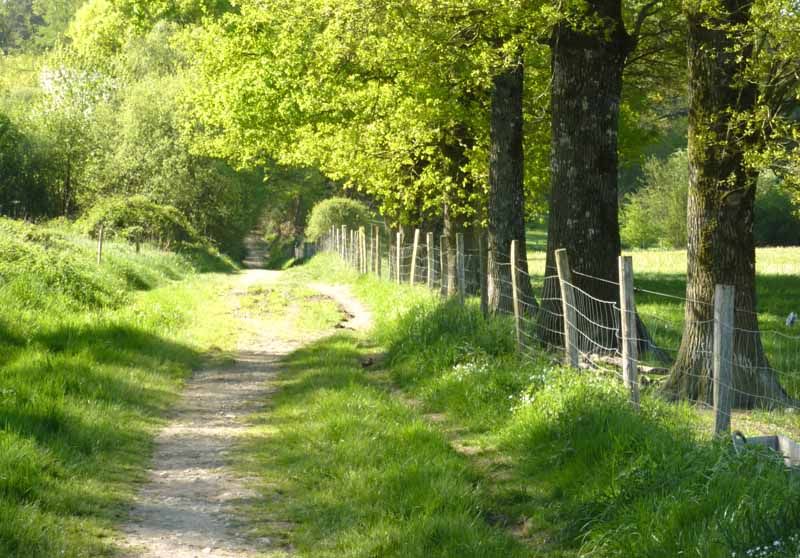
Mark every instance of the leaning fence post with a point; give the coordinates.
(460, 268)
(629, 340)
(515, 295)
(100, 234)
(414, 252)
(724, 301)
(399, 261)
(568, 306)
(483, 256)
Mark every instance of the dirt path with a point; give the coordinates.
(187, 508)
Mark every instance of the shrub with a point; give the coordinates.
(335, 212)
(137, 219)
(776, 222)
(655, 215)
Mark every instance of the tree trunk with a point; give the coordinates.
(587, 66)
(506, 192)
(458, 204)
(721, 248)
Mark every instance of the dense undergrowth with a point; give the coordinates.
(90, 357)
(560, 455)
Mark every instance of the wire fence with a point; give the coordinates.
(715, 356)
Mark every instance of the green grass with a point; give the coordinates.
(352, 469)
(90, 358)
(300, 309)
(557, 457)
(664, 271)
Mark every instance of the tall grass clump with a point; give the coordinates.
(628, 483)
(90, 356)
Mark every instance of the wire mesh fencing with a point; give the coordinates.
(711, 351)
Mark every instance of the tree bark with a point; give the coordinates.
(721, 249)
(506, 192)
(587, 66)
(458, 202)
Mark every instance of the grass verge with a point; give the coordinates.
(350, 470)
(90, 358)
(556, 457)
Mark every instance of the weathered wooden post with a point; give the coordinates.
(364, 254)
(100, 235)
(378, 258)
(515, 294)
(414, 254)
(365, 261)
(568, 306)
(344, 238)
(483, 256)
(352, 247)
(724, 316)
(461, 273)
(399, 262)
(443, 263)
(429, 244)
(629, 341)
(373, 244)
(391, 259)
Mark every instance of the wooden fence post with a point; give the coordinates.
(100, 235)
(364, 257)
(515, 294)
(483, 255)
(443, 263)
(352, 249)
(365, 265)
(629, 340)
(357, 250)
(378, 258)
(344, 238)
(568, 306)
(724, 316)
(460, 268)
(373, 264)
(414, 254)
(399, 255)
(429, 244)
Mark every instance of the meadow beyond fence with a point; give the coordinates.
(637, 345)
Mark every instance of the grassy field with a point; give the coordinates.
(90, 358)
(454, 445)
(664, 271)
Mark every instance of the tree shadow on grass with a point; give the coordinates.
(81, 402)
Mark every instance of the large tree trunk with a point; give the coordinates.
(506, 191)
(721, 249)
(587, 66)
